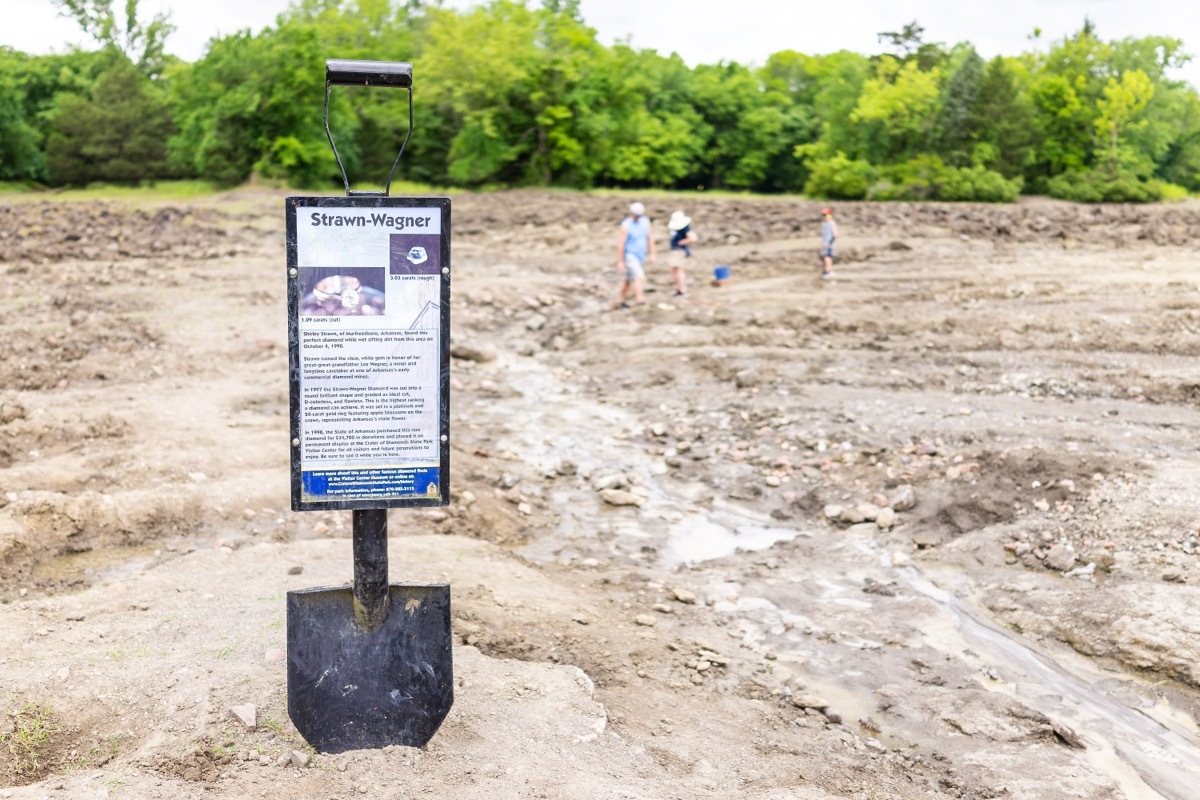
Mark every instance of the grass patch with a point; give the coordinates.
(158, 192)
(27, 744)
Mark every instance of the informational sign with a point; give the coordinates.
(369, 342)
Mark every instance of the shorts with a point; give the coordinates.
(675, 259)
(633, 268)
(827, 252)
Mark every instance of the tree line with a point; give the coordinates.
(513, 94)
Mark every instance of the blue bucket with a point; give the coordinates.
(721, 273)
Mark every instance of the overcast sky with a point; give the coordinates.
(708, 31)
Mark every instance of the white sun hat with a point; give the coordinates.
(637, 209)
(679, 221)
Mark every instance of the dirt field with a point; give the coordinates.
(925, 530)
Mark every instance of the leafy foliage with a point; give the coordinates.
(839, 178)
(118, 134)
(1091, 186)
(140, 42)
(520, 92)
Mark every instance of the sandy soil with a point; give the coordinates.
(927, 530)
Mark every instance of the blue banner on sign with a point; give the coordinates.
(349, 484)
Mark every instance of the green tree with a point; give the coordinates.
(141, 42)
(959, 121)
(897, 109)
(21, 157)
(118, 134)
(1006, 122)
(1117, 113)
(253, 104)
(1064, 124)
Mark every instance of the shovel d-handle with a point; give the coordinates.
(370, 568)
(345, 72)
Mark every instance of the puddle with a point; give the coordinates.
(99, 564)
(698, 538)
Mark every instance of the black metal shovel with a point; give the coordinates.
(369, 666)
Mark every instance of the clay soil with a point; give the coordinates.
(925, 530)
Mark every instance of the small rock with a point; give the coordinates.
(925, 540)
(1078, 572)
(295, 570)
(853, 515)
(683, 595)
(300, 759)
(885, 518)
(804, 700)
(645, 620)
(834, 717)
(283, 760)
(1070, 737)
(1061, 558)
(833, 511)
(263, 761)
(873, 586)
(613, 480)
(63, 674)
(773, 481)
(470, 352)
(620, 497)
(11, 411)
(663, 608)
(274, 655)
(905, 498)
(246, 716)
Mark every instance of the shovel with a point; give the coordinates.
(369, 665)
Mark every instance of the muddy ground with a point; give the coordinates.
(926, 530)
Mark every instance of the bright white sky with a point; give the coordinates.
(708, 31)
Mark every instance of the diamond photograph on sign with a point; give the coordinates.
(336, 291)
(415, 254)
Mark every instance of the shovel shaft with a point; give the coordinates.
(370, 567)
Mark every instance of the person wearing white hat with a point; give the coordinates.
(636, 247)
(682, 235)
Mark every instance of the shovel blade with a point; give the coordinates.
(350, 688)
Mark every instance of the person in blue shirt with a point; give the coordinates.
(829, 232)
(682, 235)
(635, 249)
